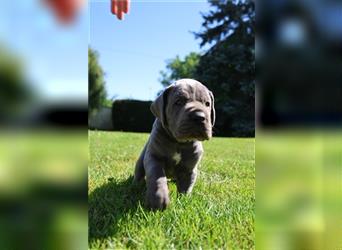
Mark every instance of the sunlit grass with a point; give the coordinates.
(218, 214)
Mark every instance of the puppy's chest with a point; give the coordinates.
(177, 157)
(173, 163)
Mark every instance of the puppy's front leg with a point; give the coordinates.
(186, 180)
(157, 195)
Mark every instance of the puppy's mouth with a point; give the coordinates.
(188, 134)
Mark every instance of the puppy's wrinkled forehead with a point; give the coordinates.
(191, 89)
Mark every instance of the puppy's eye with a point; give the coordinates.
(207, 104)
(180, 102)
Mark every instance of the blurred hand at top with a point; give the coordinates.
(120, 7)
(65, 10)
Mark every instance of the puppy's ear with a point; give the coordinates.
(158, 107)
(212, 113)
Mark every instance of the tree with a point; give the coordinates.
(228, 67)
(96, 83)
(177, 68)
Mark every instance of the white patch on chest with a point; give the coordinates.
(177, 158)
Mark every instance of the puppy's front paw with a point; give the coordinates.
(158, 198)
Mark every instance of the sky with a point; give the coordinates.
(133, 52)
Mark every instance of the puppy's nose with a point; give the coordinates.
(198, 116)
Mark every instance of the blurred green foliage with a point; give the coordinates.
(15, 90)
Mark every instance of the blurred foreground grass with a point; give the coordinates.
(299, 189)
(218, 214)
(43, 189)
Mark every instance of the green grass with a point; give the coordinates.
(219, 214)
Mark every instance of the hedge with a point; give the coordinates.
(132, 115)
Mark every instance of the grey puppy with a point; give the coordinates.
(185, 116)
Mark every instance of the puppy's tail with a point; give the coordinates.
(139, 172)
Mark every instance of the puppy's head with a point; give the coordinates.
(186, 109)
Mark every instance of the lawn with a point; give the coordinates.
(219, 214)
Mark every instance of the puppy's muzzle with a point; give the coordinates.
(199, 125)
(197, 116)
